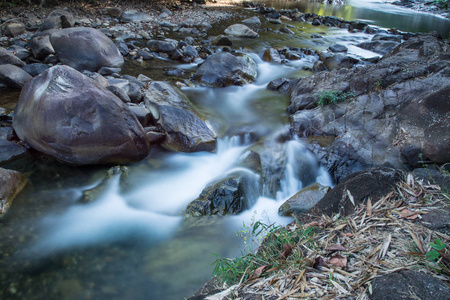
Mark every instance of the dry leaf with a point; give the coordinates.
(351, 197)
(369, 207)
(319, 263)
(258, 272)
(407, 214)
(338, 261)
(336, 248)
(287, 250)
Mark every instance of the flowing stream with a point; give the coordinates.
(132, 241)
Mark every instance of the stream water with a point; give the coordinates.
(132, 243)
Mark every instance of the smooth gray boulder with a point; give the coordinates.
(85, 49)
(40, 46)
(305, 199)
(7, 57)
(167, 46)
(225, 69)
(10, 151)
(13, 76)
(134, 16)
(58, 19)
(63, 113)
(240, 30)
(14, 29)
(185, 128)
(11, 184)
(253, 21)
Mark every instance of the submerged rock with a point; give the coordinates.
(95, 192)
(11, 184)
(88, 125)
(85, 49)
(186, 129)
(225, 69)
(230, 195)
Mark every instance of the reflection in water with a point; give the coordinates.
(375, 12)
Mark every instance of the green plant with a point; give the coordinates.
(333, 97)
(442, 3)
(278, 248)
(436, 247)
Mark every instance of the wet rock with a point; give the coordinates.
(134, 16)
(408, 284)
(280, 85)
(316, 36)
(225, 69)
(338, 48)
(286, 30)
(41, 46)
(387, 37)
(372, 183)
(58, 19)
(272, 55)
(13, 76)
(134, 92)
(85, 49)
(19, 51)
(340, 61)
(230, 195)
(303, 200)
(95, 192)
(292, 55)
(143, 115)
(222, 40)
(240, 30)
(190, 51)
(14, 29)
(119, 93)
(167, 46)
(319, 66)
(11, 184)
(10, 151)
(77, 126)
(114, 12)
(379, 46)
(146, 55)
(184, 126)
(7, 57)
(253, 21)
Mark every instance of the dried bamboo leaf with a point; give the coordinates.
(417, 241)
(385, 247)
(350, 197)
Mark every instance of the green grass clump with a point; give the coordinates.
(279, 249)
(333, 97)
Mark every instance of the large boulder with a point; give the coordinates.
(63, 113)
(230, 195)
(11, 183)
(185, 128)
(356, 189)
(13, 76)
(400, 103)
(85, 49)
(408, 284)
(240, 30)
(225, 69)
(7, 57)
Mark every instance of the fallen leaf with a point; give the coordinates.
(336, 248)
(407, 214)
(258, 272)
(351, 197)
(338, 261)
(287, 250)
(348, 234)
(319, 263)
(306, 226)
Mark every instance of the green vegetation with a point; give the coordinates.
(280, 248)
(333, 97)
(442, 3)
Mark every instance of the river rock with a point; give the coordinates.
(402, 100)
(19, 51)
(13, 76)
(58, 19)
(7, 57)
(94, 193)
(78, 126)
(272, 55)
(14, 29)
(379, 46)
(253, 21)
(185, 128)
(303, 200)
(85, 49)
(11, 184)
(360, 186)
(408, 284)
(230, 195)
(40, 46)
(168, 46)
(340, 61)
(338, 48)
(225, 69)
(10, 151)
(240, 30)
(134, 16)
